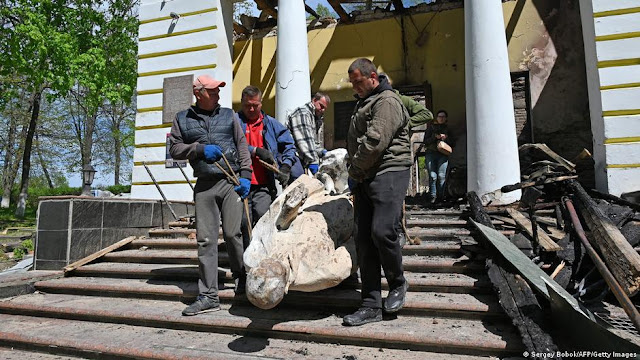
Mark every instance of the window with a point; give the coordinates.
(342, 116)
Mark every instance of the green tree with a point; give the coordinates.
(57, 48)
(105, 71)
(324, 11)
(38, 40)
(243, 7)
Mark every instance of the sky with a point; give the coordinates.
(314, 3)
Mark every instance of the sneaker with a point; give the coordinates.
(241, 285)
(395, 300)
(364, 315)
(202, 305)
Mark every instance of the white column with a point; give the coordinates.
(224, 60)
(293, 86)
(492, 147)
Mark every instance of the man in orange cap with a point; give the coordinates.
(202, 134)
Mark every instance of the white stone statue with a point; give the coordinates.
(333, 171)
(303, 243)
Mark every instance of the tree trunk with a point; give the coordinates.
(15, 166)
(43, 165)
(26, 157)
(117, 144)
(8, 173)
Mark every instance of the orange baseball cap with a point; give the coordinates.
(207, 82)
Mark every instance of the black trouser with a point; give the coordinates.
(378, 208)
(215, 199)
(260, 199)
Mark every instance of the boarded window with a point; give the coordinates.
(342, 116)
(522, 106)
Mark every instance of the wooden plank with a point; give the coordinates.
(505, 219)
(617, 253)
(530, 271)
(556, 234)
(541, 181)
(99, 254)
(543, 239)
(550, 153)
(516, 297)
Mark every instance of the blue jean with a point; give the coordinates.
(437, 167)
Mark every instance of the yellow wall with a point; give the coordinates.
(439, 61)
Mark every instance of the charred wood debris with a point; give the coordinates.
(586, 241)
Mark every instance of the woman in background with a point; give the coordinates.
(435, 160)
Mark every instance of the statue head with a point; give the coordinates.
(266, 284)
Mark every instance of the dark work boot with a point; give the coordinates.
(395, 299)
(241, 285)
(364, 315)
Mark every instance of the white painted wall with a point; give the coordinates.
(619, 75)
(622, 126)
(608, 5)
(611, 32)
(202, 23)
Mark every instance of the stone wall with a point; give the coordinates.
(71, 228)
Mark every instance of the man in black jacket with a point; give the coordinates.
(380, 158)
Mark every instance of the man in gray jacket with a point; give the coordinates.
(202, 134)
(380, 158)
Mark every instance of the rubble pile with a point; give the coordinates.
(584, 240)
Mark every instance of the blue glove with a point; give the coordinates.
(313, 168)
(243, 188)
(212, 153)
(352, 184)
(323, 153)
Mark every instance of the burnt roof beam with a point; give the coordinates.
(311, 11)
(266, 6)
(398, 5)
(344, 17)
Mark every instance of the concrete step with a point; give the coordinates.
(429, 247)
(412, 210)
(56, 338)
(445, 233)
(412, 263)
(430, 222)
(419, 303)
(424, 233)
(440, 282)
(173, 233)
(181, 223)
(405, 332)
(11, 352)
(168, 243)
(160, 256)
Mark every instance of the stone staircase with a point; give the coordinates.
(128, 305)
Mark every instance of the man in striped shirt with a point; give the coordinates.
(304, 124)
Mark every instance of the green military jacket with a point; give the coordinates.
(378, 137)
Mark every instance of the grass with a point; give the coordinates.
(8, 218)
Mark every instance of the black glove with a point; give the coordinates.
(283, 176)
(265, 155)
